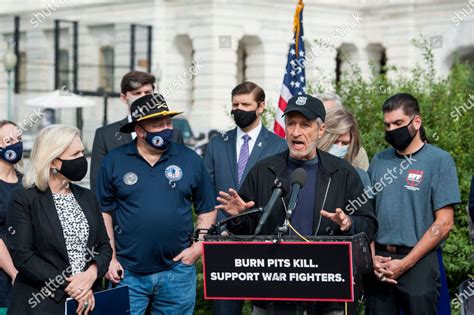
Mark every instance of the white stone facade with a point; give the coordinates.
(203, 48)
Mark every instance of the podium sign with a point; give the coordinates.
(299, 271)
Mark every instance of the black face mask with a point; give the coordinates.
(400, 138)
(242, 118)
(74, 169)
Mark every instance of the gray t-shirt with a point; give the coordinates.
(409, 190)
(364, 176)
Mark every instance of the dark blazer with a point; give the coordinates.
(108, 138)
(221, 158)
(38, 249)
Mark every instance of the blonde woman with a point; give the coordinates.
(11, 151)
(57, 238)
(342, 139)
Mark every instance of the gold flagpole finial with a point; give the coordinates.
(297, 24)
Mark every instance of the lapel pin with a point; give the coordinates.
(259, 144)
(225, 136)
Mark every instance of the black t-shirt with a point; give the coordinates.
(5, 194)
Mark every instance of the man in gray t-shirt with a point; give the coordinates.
(416, 188)
(421, 184)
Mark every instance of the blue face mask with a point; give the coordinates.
(12, 153)
(159, 140)
(339, 150)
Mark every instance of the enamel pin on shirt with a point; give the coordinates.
(130, 178)
(224, 136)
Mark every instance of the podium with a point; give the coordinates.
(325, 269)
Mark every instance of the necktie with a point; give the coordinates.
(243, 157)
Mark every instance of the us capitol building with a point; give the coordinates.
(199, 50)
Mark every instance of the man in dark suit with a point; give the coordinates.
(230, 156)
(134, 85)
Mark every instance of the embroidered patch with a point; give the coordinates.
(301, 100)
(173, 173)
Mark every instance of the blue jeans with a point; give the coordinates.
(171, 291)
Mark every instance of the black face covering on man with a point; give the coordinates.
(243, 118)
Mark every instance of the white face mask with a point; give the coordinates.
(339, 150)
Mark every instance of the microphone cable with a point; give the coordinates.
(291, 226)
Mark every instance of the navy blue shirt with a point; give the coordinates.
(302, 217)
(152, 205)
(5, 194)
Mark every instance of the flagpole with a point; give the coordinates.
(297, 24)
(294, 80)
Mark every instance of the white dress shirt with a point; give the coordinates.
(253, 134)
(133, 134)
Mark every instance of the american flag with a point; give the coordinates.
(294, 81)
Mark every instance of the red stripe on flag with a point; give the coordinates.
(282, 103)
(277, 128)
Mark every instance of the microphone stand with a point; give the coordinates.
(219, 227)
(283, 229)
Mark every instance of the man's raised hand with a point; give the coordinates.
(232, 203)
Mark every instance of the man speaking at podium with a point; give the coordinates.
(324, 206)
(229, 157)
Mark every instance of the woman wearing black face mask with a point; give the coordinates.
(57, 240)
(11, 149)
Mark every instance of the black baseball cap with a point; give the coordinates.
(310, 106)
(146, 107)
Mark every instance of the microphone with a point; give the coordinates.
(219, 227)
(298, 179)
(280, 188)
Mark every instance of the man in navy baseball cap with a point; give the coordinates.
(310, 106)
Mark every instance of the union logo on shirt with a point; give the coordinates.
(414, 178)
(173, 173)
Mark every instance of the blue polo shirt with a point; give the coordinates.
(152, 205)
